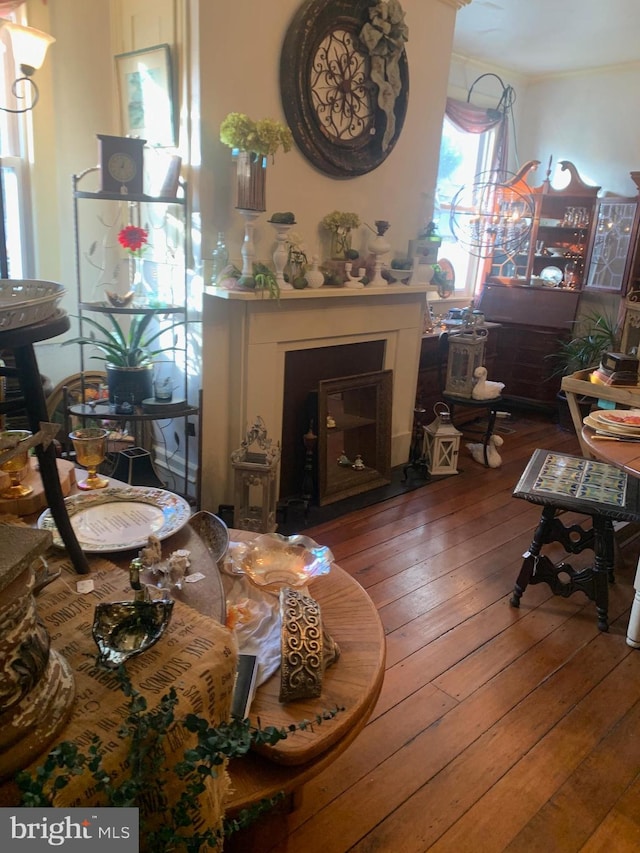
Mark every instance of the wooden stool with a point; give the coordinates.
(570, 483)
(32, 400)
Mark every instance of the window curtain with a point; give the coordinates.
(473, 119)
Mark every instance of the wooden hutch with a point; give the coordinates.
(534, 289)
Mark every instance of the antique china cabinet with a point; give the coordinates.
(533, 290)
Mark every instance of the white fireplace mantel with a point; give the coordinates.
(246, 338)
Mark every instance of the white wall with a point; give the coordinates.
(590, 119)
(229, 61)
(239, 47)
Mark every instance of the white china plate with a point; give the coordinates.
(552, 275)
(629, 418)
(611, 430)
(120, 519)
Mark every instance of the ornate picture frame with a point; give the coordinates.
(145, 89)
(344, 82)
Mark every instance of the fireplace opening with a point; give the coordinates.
(303, 372)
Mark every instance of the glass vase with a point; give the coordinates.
(340, 243)
(138, 284)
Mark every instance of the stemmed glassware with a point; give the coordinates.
(14, 465)
(90, 445)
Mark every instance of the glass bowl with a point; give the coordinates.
(273, 561)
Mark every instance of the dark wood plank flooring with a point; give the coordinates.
(497, 729)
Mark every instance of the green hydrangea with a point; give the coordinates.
(337, 221)
(263, 137)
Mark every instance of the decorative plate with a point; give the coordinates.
(447, 268)
(120, 519)
(213, 531)
(620, 417)
(611, 430)
(552, 275)
(273, 561)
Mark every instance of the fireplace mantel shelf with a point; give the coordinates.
(326, 292)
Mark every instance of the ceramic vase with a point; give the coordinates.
(314, 276)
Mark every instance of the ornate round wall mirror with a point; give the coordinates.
(344, 83)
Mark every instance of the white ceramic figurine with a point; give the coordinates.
(494, 460)
(483, 388)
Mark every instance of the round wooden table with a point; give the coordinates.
(352, 684)
(625, 455)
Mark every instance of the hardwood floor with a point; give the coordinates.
(497, 729)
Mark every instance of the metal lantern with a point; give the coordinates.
(441, 442)
(466, 352)
(255, 468)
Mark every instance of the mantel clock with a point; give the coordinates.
(121, 164)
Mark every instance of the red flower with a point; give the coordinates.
(132, 238)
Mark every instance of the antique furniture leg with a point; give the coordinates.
(593, 581)
(32, 401)
(532, 557)
(633, 629)
(36, 408)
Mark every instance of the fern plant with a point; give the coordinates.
(595, 334)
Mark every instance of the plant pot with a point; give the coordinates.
(565, 421)
(129, 384)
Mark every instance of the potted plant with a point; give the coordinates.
(127, 354)
(595, 334)
(253, 141)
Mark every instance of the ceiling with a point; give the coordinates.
(549, 36)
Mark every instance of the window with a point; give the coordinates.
(13, 171)
(462, 156)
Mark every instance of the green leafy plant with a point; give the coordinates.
(124, 348)
(263, 137)
(595, 334)
(265, 280)
(283, 218)
(147, 731)
(401, 263)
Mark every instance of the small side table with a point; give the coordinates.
(558, 481)
(492, 407)
(33, 402)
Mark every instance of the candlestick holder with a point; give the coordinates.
(248, 250)
(281, 254)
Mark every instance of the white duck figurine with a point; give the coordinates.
(483, 388)
(494, 460)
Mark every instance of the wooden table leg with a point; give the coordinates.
(633, 630)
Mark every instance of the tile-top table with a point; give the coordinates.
(603, 491)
